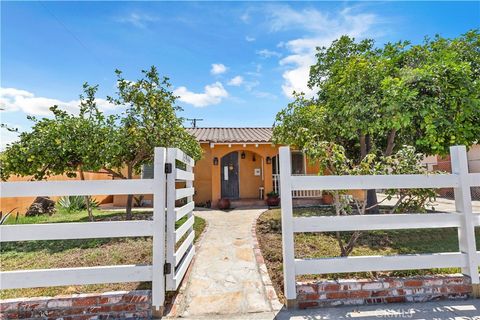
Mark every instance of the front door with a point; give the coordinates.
(229, 176)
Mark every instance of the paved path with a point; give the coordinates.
(441, 310)
(225, 279)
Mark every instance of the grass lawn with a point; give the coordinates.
(317, 245)
(79, 253)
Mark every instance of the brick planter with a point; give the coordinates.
(386, 290)
(109, 305)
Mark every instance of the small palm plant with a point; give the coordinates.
(76, 203)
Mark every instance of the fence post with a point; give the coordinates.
(287, 227)
(158, 260)
(463, 205)
(171, 160)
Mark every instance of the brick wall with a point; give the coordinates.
(386, 290)
(110, 305)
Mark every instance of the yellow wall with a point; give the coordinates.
(207, 176)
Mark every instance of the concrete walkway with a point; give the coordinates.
(225, 279)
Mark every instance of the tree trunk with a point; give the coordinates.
(130, 196)
(87, 198)
(363, 146)
(390, 142)
(371, 193)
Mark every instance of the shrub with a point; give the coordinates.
(76, 203)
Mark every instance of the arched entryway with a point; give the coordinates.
(242, 175)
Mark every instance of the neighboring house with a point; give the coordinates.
(241, 164)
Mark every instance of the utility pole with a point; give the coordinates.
(194, 121)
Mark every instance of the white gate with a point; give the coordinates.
(164, 235)
(178, 258)
(464, 219)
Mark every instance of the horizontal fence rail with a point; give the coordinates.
(76, 230)
(74, 276)
(467, 258)
(75, 188)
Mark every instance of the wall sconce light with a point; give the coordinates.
(215, 161)
(269, 160)
(254, 158)
(243, 155)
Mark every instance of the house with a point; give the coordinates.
(241, 164)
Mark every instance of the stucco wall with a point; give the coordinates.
(21, 204)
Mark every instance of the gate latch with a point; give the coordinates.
(168, 168)
(167, 268)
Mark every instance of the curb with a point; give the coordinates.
(270, 292)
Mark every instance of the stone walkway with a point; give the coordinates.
(225, 279)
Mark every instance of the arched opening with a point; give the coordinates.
(242, 175)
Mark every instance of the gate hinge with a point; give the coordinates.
(167, 268)
(168, 168)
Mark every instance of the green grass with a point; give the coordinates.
(318, 245)
(79, 253)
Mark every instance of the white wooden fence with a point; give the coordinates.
(164, 191)
(467, 258)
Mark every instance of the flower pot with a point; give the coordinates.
(327, 198)
(223, 204)
(273, 201)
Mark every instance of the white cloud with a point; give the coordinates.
(249, 39)
(321, 28)
(12, 99)
(7, 136)
(213, 94)
(218, 68)
(265, 53)
(235, 81)
(136, 19)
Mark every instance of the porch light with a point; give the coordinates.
(254, 158)
(215, 161)
(269, 160)
(243, 155)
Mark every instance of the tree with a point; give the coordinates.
(149, 121)
(373, 100)
(333, 159)
(65, 144)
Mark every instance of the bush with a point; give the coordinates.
(76, 203)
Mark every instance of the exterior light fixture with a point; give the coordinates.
(243, 155)
(215, 161)
(269, 160)
(254, 158)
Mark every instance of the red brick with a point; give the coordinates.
(381, 293)
(462, 288)
(84, 302)
(330, 287)
(359, 294)
(8, 306)
(123, 307)
(413, 283)
(337, 295)
(395, 299)
(307, 304)
(455, 280)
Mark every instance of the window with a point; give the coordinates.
(298, 163)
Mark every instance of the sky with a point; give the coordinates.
(230, 63)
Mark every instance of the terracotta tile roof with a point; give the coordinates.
(231, 135)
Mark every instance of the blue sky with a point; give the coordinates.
(232, 63)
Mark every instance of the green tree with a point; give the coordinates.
(150, 120)
(372, 100)
(65, 144)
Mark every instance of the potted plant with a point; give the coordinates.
(273, 199)
(224, 204)
(327, 197)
